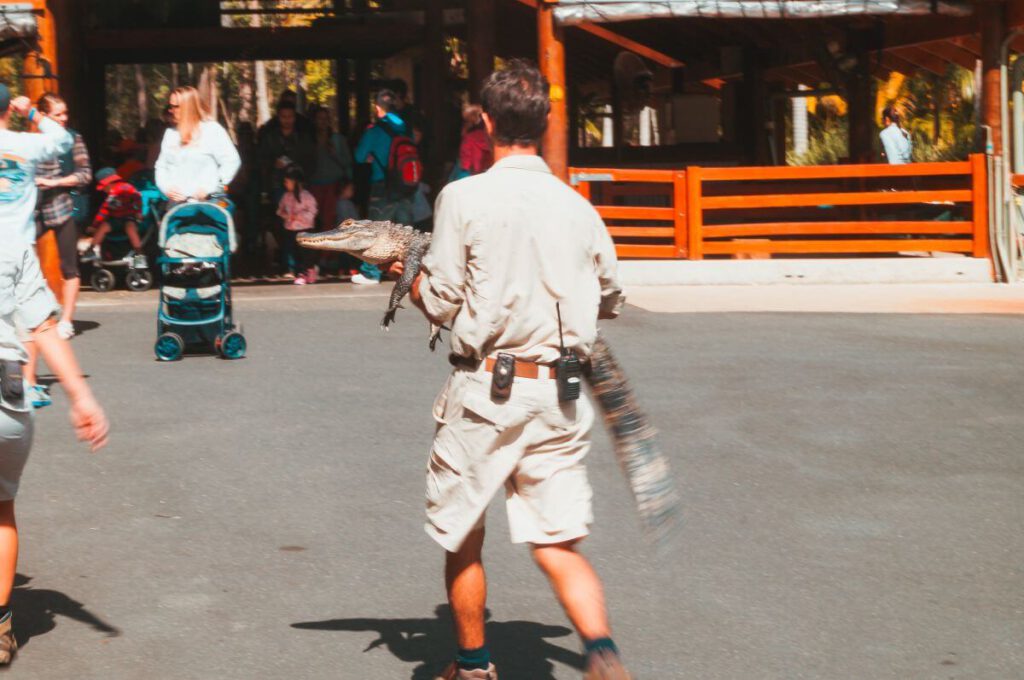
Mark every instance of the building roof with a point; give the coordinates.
(569, 12)
(17, 25)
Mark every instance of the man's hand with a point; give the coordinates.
(201, 195)
(176, 195)
(21, 105)
(90, 423)
(45, 182)
(393, 270)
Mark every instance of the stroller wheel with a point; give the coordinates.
(231, 345)
(139, 280)
(102, 280)
(169, 347)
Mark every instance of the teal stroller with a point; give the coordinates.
(195, 313)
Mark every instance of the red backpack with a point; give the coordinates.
(405, 169)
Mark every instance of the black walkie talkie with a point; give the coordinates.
(568, 370)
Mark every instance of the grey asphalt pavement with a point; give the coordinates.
(853, 485)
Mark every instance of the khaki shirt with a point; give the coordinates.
(508, 244)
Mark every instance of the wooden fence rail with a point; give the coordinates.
(822, 210)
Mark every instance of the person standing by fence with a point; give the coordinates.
(895, 140)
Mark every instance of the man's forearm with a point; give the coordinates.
(414, 294)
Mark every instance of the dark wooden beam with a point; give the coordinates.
(921, 59)
(971, 43)
(894, 63)
(246, 44)
(481, 46)
(951, 53)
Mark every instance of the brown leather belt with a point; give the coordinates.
(524, 369)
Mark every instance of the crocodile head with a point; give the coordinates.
(351, 236)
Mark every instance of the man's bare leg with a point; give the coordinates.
(467, 590)
(577, 587)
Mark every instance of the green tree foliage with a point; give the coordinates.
(918, 96)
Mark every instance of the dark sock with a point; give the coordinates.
(600, 645)
(4, 611)
(472, 659)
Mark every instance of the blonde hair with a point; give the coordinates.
(191, 112)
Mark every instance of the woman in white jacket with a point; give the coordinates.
(197, 159)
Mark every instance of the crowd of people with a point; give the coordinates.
(378, 174)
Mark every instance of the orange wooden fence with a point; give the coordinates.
(809, 210)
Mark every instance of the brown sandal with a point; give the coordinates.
(8, 645)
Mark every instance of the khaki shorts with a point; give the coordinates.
(530, 444)
(15, 444)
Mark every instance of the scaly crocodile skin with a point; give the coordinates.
(635, 441)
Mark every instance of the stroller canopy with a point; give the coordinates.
(199, 218)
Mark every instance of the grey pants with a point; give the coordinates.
(15, 443)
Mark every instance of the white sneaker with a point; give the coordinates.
(361, 280)
(66, 330)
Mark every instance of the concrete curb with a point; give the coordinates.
(817, 271)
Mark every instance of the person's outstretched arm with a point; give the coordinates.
(35, 310)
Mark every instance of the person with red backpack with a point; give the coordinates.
(395, 171)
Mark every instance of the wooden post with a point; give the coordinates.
(680, 189)
(979, 205)
(695, 214)
(343, 85)
(555, 146)
(37, 64)
(435, 102)
(362, 94)
(992, 18)
(480, 16)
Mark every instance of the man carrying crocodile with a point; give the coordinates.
(513, 249)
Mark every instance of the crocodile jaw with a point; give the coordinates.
(344, 239)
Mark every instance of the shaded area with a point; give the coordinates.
(36, 611)
(520, 649)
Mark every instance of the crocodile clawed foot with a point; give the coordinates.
(388, 319)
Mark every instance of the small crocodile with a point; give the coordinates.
(376, 243)
(635, 441)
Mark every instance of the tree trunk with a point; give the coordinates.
(245, 89)
(262, 102)
(141, 95)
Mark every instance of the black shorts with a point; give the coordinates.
(67, 245)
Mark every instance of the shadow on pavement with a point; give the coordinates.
(36, 611)
(520, 648)
(85, 326)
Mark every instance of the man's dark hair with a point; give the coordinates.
(517, 99)
(286, 106)
(892, 114)
(386, 100)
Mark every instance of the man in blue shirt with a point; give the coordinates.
(375, 148)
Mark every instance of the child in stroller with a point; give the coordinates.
(197, 239)
(122, 227)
